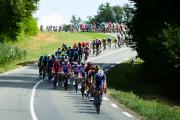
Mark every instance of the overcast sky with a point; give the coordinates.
(58, 12)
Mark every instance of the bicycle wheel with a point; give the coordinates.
(76, 85)
(98, 104)
(82, 91)
(98, 108)
(44, 75)
(54, 83)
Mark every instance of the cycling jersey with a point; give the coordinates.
(90, 73)
(72, 52)
(76, 70)
(50, 63)
(45, 61)
(65, 68)
(109, 40)
(100, 80)
(87, 69)
(56, 67)
(76, 56)
(40, 61)
(82, 71)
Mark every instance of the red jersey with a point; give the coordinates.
(56, 67)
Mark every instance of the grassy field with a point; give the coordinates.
(46, 43)
(139, 96)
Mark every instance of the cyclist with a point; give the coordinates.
(83, 44)
(100, 45)
(97, 46)
(75, 45)
(56, 71)
(104, 43)
(45, 63)
(53, 58)
(100, 80)
(66, 71)
(58, 51)
(96, 68)
(88, 71)
(86, 52)
(115, 42)
(93, 46)
(80, 53)
(119, 39)
(49, 68)
(40, 65)
(64, 46)
(83, 78)
(76, 55)
(75, 69)
(109, 42)
(71, 55)
(75, 74)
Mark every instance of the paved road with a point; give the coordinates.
(49, 104)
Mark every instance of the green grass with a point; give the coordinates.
(10, 53)
(126, 88)
(151, 110)
(46, 43)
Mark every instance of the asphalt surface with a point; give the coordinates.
(49, 104)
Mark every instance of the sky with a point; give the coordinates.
(57, 12)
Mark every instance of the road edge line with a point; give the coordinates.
(33, 114)
(127, 114)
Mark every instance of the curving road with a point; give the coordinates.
(49, 104)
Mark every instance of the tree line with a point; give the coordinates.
(16, 19)
(107, 13)
(155, 30)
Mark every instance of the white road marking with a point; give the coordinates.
(12, 71)
(114, 105)
(106, 70)
(123, 61)
(127, 114)
(105, 98)
(126, 59)
(33, 114)
(95, 58)
(112, 66)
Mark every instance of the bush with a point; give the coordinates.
(9, 53)
(30, 26)
(171, 45)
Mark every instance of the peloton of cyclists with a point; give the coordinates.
(67, 64)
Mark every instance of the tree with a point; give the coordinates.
(75, 20)
(127, 13)
(105, 14)
(118, 11)
(13, 13)
(90, 20)
(150, 21)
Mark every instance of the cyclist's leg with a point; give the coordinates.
(101, 86)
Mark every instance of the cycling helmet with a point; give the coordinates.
(100, 73)
(65, 60)
(52, 56)
(75, 64)
(62, 63)
(89, 63)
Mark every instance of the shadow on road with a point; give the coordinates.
(83, 105)
(27, 77)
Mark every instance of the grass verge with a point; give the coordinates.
(124, 78)
(45, 43)
(150, 110)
